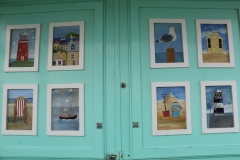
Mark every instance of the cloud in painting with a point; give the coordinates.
(221, 30)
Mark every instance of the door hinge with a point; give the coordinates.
(115, 156)
(120, 155)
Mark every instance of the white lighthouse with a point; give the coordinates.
(218, 103)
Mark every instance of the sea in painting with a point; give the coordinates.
(224, 120)
(161, 48)
(65, 103)
(21, 123)
(64, 124)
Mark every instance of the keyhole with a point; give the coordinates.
(123, 85)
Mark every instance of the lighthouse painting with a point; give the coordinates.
(218, 105)
(22, 47)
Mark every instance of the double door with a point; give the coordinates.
(117, 80)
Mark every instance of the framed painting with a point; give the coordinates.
(171, 111)
(168, 43)
(65, 109)
(22, 48)
(66, 46)
(19, 109)
(215, 44)
(219, 107)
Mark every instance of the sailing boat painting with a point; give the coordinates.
(65, 112)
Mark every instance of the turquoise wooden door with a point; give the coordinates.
(42, 146)
(144, 144)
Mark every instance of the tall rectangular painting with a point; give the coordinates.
(66, 46)
(65, 110)
(168, 43)
(215, 44)
(219, 107)
(171, 108)
(19, 109)
(22, 47)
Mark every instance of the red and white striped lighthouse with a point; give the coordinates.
(22, 52)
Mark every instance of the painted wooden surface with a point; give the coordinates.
(117, 50)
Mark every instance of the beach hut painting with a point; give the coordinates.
(170, 108)
(66, 45)
(215, 43)
(218, 106)
(65, 110)
(19, 109)
(168, 43)
(22, 47)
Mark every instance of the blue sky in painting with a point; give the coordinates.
(60, 32)
(178, 92)
(163, 28)
(14, 37)
(221, 29)
(64, 96)
(226, 93)
(15, 93)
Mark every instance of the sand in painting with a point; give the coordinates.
(216, 58)
(170, 123)
(20, 123)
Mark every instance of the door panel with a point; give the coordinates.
(91, 145)
(145, 145)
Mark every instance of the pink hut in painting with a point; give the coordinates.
(22, 52)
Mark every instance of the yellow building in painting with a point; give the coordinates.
(214, 43)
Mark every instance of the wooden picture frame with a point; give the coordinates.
(168, 43)
(66, 46)
(219, 107)
(19, 111)
(65, 109)
(171, 111)
(22, 47)
(215, 43)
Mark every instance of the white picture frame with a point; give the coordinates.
(22, 48)
(219, 114)
(176, 117)
(65, 109)
(215, 43)
(16, 121)
(166, 54)
(66, 46)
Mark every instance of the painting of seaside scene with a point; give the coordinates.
(22, 47)
(65, 109)
(168, 43)
(65, 45)
(171, 108)
(214, 38)
(19, 115)
(219, 107)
